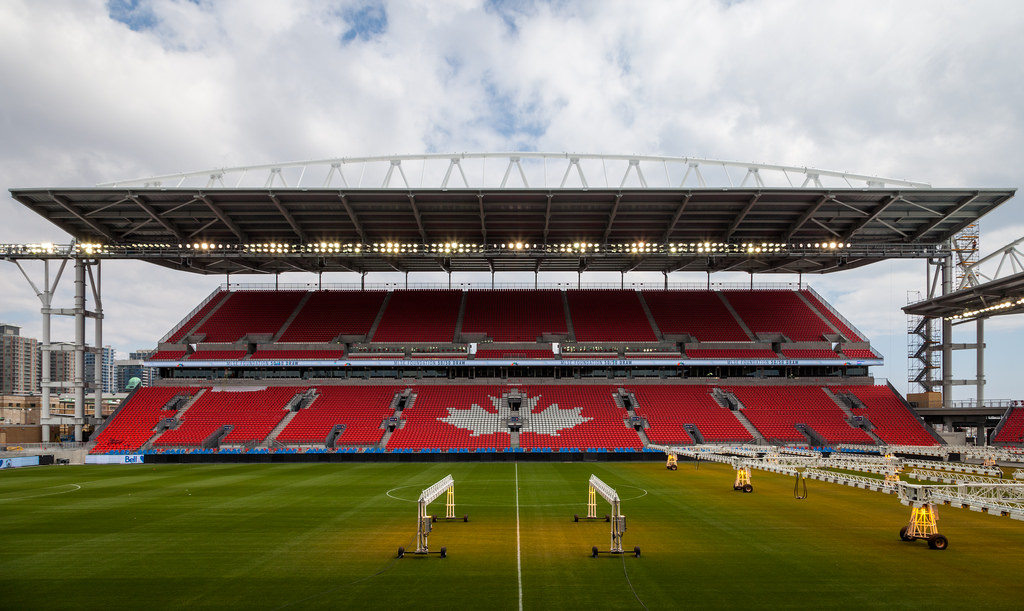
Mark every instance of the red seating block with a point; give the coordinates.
(419, 316)
(608, 316)
(701, 314)
(514, 315)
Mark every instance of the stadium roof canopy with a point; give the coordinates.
(996, 298)
(980, 294)
(522, 212)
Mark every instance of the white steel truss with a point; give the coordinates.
(516, 170)
(1007, 261)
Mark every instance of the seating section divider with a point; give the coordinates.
(608, 315)
(893, 422)
(328, 314)
(668, 408)
(248, 312)
(135, 422)
(775, 411)
(698, 313)
(420, 316)
(362, 409)
(252, 413)
(778, 312)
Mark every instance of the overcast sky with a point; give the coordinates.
(94, 91)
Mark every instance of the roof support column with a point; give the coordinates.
(97, 325)
(46, 297)
(947, 336)
(79, 385)
(980, 335)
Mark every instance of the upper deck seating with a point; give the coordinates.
(230, 354)
(778, 311)
(250, 312)
(612, 316)
(698, 313)
(182, 331)
(515, 354)
(731, 353)
(299, 355)
(860, 353)
(827, 313)
(514, 315)
(167, 355)
(419, 316)
(328, 314)
(810, 353)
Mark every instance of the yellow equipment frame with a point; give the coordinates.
(742, 478)
(924, 521)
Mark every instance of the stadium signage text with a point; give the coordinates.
(115, 459)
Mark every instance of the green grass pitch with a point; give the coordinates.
(312, 536)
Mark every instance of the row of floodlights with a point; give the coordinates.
(992, 308)
(455, 248)
(459, 247)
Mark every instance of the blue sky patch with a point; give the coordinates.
(138, 15)
(510, 119)
(365, 22)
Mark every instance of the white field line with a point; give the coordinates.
(519, 564)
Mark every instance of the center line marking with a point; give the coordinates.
(519, 564)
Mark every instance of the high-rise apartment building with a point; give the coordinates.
(20, 362)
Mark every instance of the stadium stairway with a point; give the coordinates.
(824, 319)
(380, 316)
(213, 303)
(460, 317)
(742, 324)
(177, 417)
(726, 399)
(400, 402)
(845, 403)
(643, 437)
(295, 313)
(650, 316)
(568, 318)
(271, 439)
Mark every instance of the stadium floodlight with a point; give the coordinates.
(424, 521)
(742, 482)
(618, 521)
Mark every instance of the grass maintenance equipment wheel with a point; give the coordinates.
(636, 552)
(938, 541)
(593, 552)
(748, 488)
(401, 552)
(444, 552)
(905, 536)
